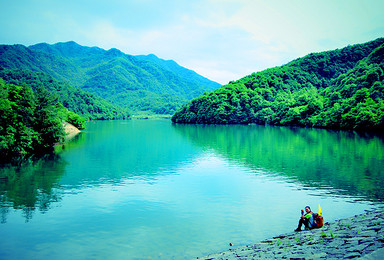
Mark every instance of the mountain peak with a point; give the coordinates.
(71, 43)
(115, 52)
(174, 67)
(152, 56)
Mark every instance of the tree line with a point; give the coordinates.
(86, 104)
(31, 122)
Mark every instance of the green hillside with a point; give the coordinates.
(74, 99)
(20, 57)
(134, 83)
(185, 73)
(340, 89)
(31, 122)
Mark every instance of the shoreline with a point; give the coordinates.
(360, 236)
(70, 131)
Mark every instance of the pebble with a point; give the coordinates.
(361, 236)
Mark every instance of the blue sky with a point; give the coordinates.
(221, 39)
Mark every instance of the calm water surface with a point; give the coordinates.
(150, 189)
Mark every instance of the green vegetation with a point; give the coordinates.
(74, 99)
(142, 83)
(184, 73)
(340, 89)
(30, 123)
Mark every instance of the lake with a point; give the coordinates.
(148, 189)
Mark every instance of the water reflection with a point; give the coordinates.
(120, 150)
(30, 185)
(349, 162)
(110, 153)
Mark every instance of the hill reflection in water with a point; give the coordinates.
(350, 162)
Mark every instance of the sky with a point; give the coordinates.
(222, 40)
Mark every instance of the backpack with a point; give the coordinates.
(319, 221)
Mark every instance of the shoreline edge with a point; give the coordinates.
(360, 236)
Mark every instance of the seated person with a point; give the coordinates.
(306, 219)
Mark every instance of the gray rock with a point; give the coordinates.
(352, 255)
(360, 248)
(375, 228)
(378, 254)
(368, 233)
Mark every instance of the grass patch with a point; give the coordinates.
(362, 216)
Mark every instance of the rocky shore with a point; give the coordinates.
(354, 237)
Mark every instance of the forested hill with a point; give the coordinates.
(138, 84)
(31, 122)
(86, 104)
(340, 89)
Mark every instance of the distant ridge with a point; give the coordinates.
(136, 83)
(185, 73)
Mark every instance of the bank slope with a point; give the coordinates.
(138, 84)
(334, 89)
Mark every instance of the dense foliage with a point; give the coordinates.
(74, 99)
(335, 89)
(136, 83)
(30, 122)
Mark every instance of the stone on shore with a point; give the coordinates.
(70, 130)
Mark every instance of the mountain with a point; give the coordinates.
(340, 89)
(136, 83)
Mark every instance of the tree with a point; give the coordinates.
(48, 122)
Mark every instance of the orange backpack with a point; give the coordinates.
(319, 221)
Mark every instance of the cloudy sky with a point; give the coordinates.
(220, 39)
